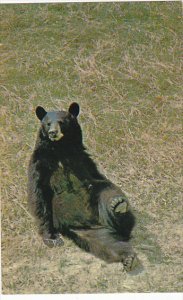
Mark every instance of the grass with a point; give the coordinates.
(121, 63)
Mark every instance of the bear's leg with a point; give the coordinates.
(114, 213)
(50, 236)
(106, 245)
(40, 204)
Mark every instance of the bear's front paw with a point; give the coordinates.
(54, 241)
(119, 204)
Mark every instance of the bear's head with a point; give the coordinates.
(59, 124)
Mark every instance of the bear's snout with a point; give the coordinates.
(55, 133)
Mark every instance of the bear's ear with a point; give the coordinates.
(40, 112)
(74, 109)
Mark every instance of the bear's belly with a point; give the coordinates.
(71, 200)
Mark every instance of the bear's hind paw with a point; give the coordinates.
(130, 262)
(119, 205)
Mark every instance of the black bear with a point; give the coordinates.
(69, 196)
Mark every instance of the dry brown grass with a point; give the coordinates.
(122, 65)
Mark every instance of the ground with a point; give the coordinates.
(121, 63)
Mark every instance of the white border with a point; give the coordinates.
(128, 296)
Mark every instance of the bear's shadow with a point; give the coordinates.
(145, 242)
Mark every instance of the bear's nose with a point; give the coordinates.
(53, 133)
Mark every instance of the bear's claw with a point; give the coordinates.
(119, 205)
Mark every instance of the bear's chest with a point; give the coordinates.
(72, 198)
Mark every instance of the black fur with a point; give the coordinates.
(67, 194)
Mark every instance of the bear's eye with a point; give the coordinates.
(48, 123)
